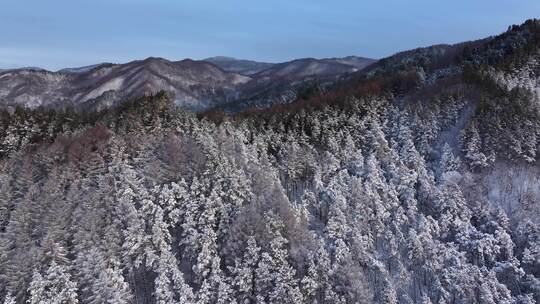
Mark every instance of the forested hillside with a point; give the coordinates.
(420, 185)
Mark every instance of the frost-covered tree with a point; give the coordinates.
(9, 299)
(244, 272)
(473, 149)
(55, 286)
(448, 162)
(275, 278)
(110, 287)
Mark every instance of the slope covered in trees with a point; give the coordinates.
(422, 192)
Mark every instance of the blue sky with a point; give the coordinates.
(66, 33)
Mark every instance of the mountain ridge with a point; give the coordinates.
(195, 84)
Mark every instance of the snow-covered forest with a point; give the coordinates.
(377, 198)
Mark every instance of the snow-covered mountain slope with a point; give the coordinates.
(309, 67)
(355, 61)
(293, 69)
(33, 88)
(526, 76)
(286, 82)
(240, 66)
(194, 84)
(81, 69)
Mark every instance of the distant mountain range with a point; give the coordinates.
(240, 66)
(196, 85)
(296, 69)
